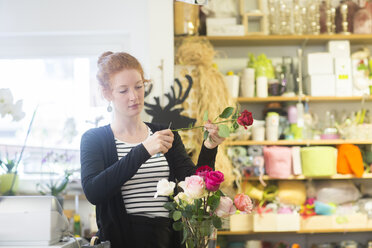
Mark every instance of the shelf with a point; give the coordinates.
(304, 98)
(302, 177)
(285, 40)
(297, 142)
(301, 231)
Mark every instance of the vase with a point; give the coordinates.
(203, 234)
(6, 181)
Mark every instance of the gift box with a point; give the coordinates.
(272, 222)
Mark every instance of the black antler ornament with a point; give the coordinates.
(170, 113)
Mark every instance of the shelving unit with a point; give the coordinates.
(285, 40)
(307, 231)
(243, 43)
(302, 177)
(303, 98)
(297, 142)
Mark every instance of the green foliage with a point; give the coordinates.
(54, 187)
(8, 165)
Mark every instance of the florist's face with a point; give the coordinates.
(127, 92)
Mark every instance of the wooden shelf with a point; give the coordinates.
(297, 142)
(285, 40)
(304, 98)
(302, 177)
(300, 231)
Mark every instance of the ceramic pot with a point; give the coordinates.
(6, 181)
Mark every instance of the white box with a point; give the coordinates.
(320, 85)
(318, 63)
(272, 222)
(344, 81)
(339, 48)
(241, 222)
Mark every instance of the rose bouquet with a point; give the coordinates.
(197, 210)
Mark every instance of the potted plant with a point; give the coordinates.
(6, 180)
(55, 162)
(9, 180)
(55, 187)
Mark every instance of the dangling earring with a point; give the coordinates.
(109, 108)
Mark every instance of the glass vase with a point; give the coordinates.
(202, 234)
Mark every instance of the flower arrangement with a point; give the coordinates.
(229, 114)
(198, 209)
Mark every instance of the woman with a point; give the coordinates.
(121, 163)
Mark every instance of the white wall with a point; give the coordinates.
(50, 27)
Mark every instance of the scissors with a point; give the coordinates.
(159, 153)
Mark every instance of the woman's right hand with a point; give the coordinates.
(160, 141)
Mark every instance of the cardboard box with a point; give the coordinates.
(344, 222)
(320, 85)
(339, 48)
(343, 77)
(318, 64)
(241, 222)
(272, 222)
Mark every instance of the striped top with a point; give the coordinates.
(138, 192)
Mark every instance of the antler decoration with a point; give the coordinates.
(169, 113)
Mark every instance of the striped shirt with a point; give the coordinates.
(138, 192)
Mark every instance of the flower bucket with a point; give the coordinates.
(6, 181)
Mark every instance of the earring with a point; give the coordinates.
(109, 108)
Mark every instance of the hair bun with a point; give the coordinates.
(103, 56)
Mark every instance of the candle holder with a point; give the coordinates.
(345, 24)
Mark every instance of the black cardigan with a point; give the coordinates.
(102, 176)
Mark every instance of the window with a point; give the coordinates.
(64, 92)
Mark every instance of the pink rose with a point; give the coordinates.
(193, 187)
(203, 170)
(213, 179)
(226, 207)
(243, 203)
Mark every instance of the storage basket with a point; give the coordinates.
(319, 161)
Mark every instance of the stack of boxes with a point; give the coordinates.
(329, 73)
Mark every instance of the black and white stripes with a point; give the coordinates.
(138, 193)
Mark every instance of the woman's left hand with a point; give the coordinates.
(213, 139)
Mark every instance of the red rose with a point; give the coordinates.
(213, 179)
(245, 119)
(202, 171)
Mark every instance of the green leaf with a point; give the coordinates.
(170, 206)
(223, 131)
(213, 202)
(185, 234)
(190, 243)
(227, 112)
(177, 226)
(177, 215)
(206, 133)
(217, 223)
(205, 116)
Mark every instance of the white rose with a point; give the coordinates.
(164, 188)
(184, 198)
